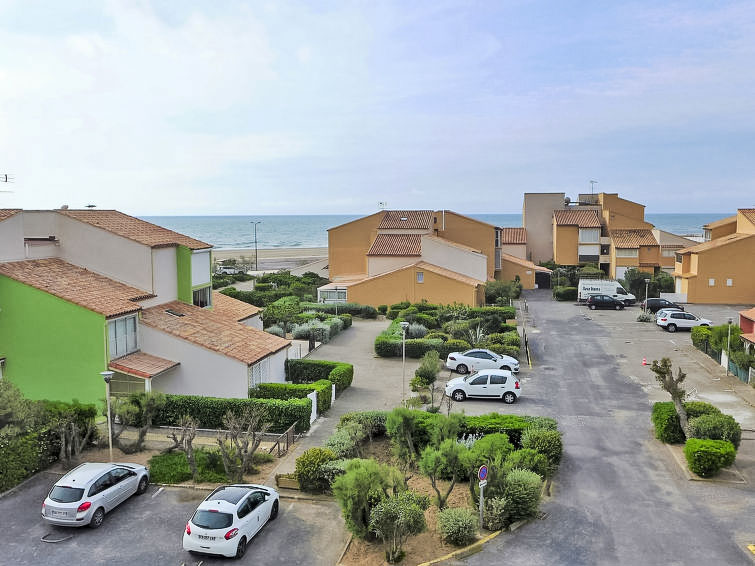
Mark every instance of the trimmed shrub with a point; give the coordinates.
(457, 526)
(20, 457)
(700, 335)
(565, 293)
(347, 319)
(512, 425)
(716, 427)
(400, 306)
(296, 391)
(387, 346)
(344, 442)
(308, 469)
(526, 459)
(513, 351)
(426, 320)
(452, 346)
(329, 471)
(354, 309)
(382, 309)
(666, 421)
(320, 330)
(437, 335)
(707, 457)
(309, 371)
(645, 317)
(521, 494)
(209, 411)
(541, 422)
(276, 330)
(416, 330)
(372, 422)
(547, 442)
(495, 516)
(418, 347)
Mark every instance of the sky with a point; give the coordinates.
(204, 108)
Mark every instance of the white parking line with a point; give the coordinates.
(290, 506)
(157, 492)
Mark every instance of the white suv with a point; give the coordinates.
(673, 320)
(487, 384)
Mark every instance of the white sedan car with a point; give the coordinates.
(479, 358)
(226, 521)
(487, 384)
(674, 320)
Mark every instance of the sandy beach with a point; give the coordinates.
(273, 259)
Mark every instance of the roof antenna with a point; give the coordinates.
(592, 187)
(6, 178)
(91, 206)
(382, 205)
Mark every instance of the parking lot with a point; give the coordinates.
(148, 529)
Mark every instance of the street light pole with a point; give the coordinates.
(404, 326)
(646, 294)
(254, 223)
(728, 342)
(107, 376)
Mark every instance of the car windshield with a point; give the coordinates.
(212, 519)
(64, 494)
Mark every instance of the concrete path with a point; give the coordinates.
(619, 496)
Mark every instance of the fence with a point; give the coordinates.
(284, 441)
(744, 375)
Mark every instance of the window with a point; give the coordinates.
(201, 297)
(420, 277)
(122, 336)
(100, 485)
(589, 235)
(668, 253)
(627, 252)
(244, 510)
(729, 282)
(497, 379)
(255, 500)
(711, 282)
(482, 380)
(690, 316)
(333, 295)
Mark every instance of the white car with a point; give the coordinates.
(479, 358)
(228, 518)
(86, 493)
(228, 270)
(673, 320)
(489, 383)
(665, 311)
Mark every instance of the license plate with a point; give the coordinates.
(203, 537)
(59, 513)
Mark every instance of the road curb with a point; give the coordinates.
(287, 496)
(694, 477)
(473, 548)
(345, 549)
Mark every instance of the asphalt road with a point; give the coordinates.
(619, 498)
(148, 529)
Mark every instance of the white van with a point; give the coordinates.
(608, 287)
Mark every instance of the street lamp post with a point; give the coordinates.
(254, 223)
(728, 342)
(647, 281)
(404, 326)
(107, 376)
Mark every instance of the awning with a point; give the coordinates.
(140, 364)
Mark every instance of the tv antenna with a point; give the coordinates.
(6, 178)
(592, 187)
(91, 206)
(382, 205)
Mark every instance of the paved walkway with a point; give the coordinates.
(377, 384)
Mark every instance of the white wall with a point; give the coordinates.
(164, 277)
(200, 268)
(466, 262)
(202, 371)
(12, 238)
(253, 321)
(517, 250)
(278, 366)
(382, 264)
(105, 253)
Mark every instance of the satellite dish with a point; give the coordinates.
(567, 200)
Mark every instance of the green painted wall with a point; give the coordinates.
(54, 349)
(183, 268)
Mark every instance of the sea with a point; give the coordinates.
(311, 231)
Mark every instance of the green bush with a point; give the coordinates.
(743, 359)
(426, 320)
(173, 467)
(707, 457)
(512, 425)
(372, 422)
(645, 317)
(453, 346)
(495, 515)
(20, 457)
(400, 306)
(547, 442)
(418, 347)
(276, 330)
(209, 411)
(387, 347)
(666, 421)
(700, 408)
(716, 427)
(527, 459)
(541, 422)
(700, 335)
(522, 494)
(329, 471)
(308, 469)
(457, 526)
(354, 309)
(437, 335)
(310, 371)
(382, 309)
(395, 518)
(345, 441)
(347, 319)
(296, 391)
(513, 351)
(565, 293)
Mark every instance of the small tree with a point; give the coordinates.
(137, 410)
(74, 424)
(240, 440)
(445, 427)
(188, 427)
(282, 312)
(401, 427)
(395, 519)
(673, 386)
(435, 462)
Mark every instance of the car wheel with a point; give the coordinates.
(97, 518)
(627, 303)
(274, 511)
(241, 548)
(592, 307)
(506, 368)
(462, 369)
(509, 398)
(143, 483)
(458, 395)
(671, 328)
(619, 307)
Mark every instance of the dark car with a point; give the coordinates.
(604, 302)
(654, 305)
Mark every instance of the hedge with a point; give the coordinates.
(666, 421)
(354, 309)
(287, 391)
(310, 371)
(565, 293)
(505, 313)
(209, 411)
(512, 425)
(716, 427)
(21, 456)
(707, 457)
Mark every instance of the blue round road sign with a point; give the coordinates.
(482, 473)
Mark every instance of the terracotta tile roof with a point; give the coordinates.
(232, 308)
(8, 212)
(722, 222)
(406, 219)
(717, 243)
(140, 364)
(397, 245)
(213, 331)
(76, 285)
(749, 337)
(134, 229)
(748, 213)
(523, 262)
(672, 246)
(573, 217)
(513, 236)
(632, 238)
(749, 313)
(451, 243)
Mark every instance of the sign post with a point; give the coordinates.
(482, 475)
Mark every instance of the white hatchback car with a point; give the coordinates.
(228, 518)
(674, 320)
(489, 383)
(479, 358)
(86, 493)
